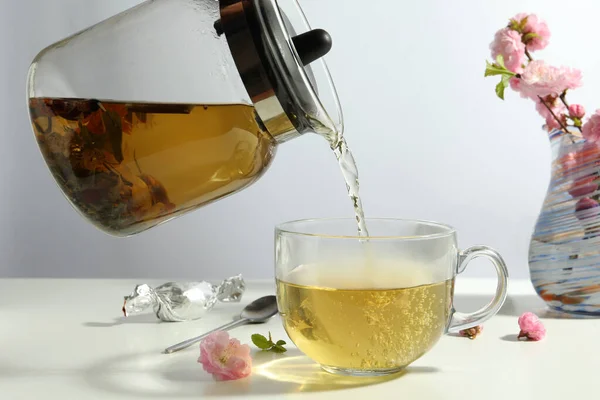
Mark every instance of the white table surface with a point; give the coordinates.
(65, 339)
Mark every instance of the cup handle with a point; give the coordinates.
(462, 321)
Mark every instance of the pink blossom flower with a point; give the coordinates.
(225, 358)
(507, 43)
(591, 129)
(531, 327)
(576, 111)
(540, 80)
(515, 84)
(556, 107)
(584, 186)
(572, 78)
(535, 25)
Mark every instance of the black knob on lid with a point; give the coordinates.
(312, 45)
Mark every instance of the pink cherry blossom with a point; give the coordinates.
(540, 80)
(572, 78)
(576, 111)
(224, 357)
(515, 84)
(531, 327)
(556, 107)
(591, 129)
(537, 26)
(507, 43)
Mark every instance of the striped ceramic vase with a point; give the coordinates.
(564, 253)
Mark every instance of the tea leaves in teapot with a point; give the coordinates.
(114, 130)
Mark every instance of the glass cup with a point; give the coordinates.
(371, 306)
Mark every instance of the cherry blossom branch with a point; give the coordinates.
(562, 98)
(512, 49)
(562, 125)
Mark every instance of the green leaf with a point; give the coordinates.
(518, 26)
(491, 70)
(523, 24)
(278, 349)
(528, 37)
(500, 87)
(261, 342)
(500, 60)
(500, 90)
(267, 344)
(495, 69)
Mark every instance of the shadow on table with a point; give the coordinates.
(148, 318)
(514, 306)
(179, 376)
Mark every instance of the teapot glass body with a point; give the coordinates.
(162, 109)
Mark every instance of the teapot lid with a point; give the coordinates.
(281, 69)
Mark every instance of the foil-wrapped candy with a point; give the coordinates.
(183, 301)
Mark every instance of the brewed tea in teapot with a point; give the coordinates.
(174, 104)
(127, 165)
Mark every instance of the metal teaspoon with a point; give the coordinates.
(257, 312)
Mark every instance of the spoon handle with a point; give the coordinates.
(189, 342)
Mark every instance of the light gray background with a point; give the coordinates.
(431, 140)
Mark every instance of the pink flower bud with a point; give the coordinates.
(531, 327)
(576, 111)
(591, 129)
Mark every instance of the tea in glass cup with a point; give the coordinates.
(372, 306)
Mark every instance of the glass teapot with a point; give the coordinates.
(174, 104)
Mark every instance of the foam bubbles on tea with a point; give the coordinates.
(375, 317)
